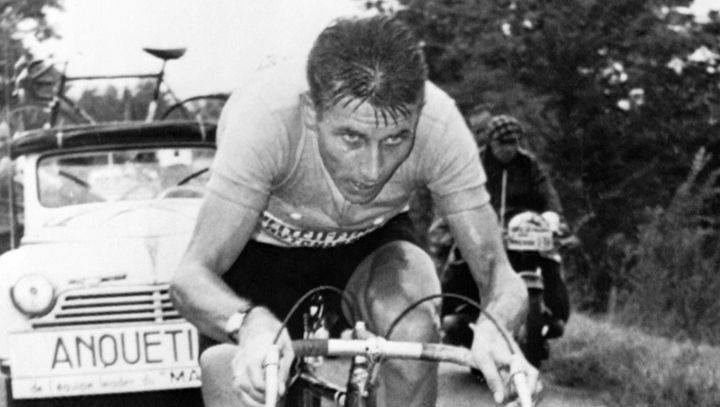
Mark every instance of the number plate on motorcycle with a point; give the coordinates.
(52, 363)
(530, 241)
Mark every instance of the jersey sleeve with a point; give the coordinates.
(451, 166)
(251, 152)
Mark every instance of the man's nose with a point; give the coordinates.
(370, 166)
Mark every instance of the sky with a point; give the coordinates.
(226, 40)
(702, 7)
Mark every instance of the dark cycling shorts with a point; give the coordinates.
(276, 277)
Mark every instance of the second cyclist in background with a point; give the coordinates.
(528, 188)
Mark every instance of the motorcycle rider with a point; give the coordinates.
(527, 187)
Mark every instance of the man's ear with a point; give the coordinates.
(310, 113)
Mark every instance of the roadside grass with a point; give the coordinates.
(633, 368)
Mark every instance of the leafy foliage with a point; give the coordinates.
(20, 19)
(674, 282)
(17, 18)
(616, 96)
(108, 104)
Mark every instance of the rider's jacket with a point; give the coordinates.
(268, 160)
(527, 185)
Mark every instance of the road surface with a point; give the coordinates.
(458, 388)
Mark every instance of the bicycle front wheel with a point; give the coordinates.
(205, 108)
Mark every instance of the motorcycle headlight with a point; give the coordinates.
(33, 295)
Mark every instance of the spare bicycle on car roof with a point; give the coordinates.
(41, 89)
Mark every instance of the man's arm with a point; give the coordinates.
(502, 291)
(222, 229)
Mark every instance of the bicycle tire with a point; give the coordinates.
(37, 116)
(534, 345)
(202, 108)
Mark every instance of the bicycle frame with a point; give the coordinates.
(308, 390)
(159, 77)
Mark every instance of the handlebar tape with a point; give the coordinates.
(310, 347)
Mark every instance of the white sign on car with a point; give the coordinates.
(103, 360)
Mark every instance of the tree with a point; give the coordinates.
(19, 19)
(109, 104)
(619, 94)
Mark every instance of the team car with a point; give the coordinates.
(101, 215)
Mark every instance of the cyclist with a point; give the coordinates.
(310, 186)
(528, 188)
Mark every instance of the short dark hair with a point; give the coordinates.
(374, 59)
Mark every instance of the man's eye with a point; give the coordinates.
(351, 138)
(396, 139)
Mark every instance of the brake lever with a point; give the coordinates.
(520, 379)
(272, 362)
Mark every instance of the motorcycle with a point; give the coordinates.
(532, 248)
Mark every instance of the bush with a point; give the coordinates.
(633, 368)
(675, 281)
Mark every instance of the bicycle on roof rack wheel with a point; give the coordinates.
(366, 351)
(43, 102)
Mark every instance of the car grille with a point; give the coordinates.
(110, 305)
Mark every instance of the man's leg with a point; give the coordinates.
(384, 284)
(217, 377)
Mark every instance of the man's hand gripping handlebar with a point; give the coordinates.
(377, 348)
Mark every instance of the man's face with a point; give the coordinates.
(504, 152)
(360, 150)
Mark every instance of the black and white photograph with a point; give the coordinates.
(359, 203)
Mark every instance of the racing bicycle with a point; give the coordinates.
(366, 352)
(41, 90)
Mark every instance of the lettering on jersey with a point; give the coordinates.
(296, 237)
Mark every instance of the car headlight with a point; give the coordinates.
(33, 295)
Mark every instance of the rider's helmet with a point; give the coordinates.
(505, 129)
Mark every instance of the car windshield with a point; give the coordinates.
(125, 175)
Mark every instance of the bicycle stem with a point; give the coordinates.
(358, 385)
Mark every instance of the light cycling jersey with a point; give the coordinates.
(268, 160)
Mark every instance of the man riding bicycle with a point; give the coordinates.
(310, 186)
